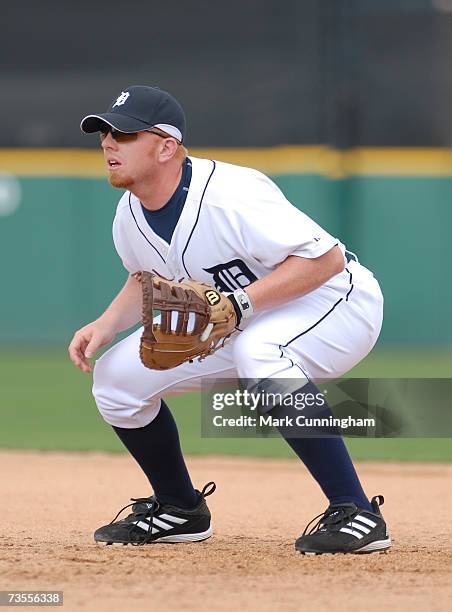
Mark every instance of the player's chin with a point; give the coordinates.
(118, 179)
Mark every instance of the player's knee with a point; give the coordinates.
(110, 371)
(103, 388)
(117, 403)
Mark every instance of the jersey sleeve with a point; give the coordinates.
(272, 228)
(122, 245)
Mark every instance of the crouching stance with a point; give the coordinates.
(299, 307)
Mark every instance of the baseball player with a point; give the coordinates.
(306, 310)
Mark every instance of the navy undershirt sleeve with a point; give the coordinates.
(164, 220)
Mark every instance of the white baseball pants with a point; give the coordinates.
(320, 335)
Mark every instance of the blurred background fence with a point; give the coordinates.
(249, 72)
(346, 104)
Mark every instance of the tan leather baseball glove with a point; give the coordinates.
(195, 321)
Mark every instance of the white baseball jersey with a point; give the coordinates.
(237, 226)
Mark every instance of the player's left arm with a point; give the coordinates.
(295, 277)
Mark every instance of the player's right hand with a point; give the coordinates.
(87, 341)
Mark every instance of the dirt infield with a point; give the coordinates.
(52, 502)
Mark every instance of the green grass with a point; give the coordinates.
(45, 403)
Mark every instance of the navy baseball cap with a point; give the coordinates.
(139, 108)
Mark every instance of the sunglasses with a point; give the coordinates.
(124, 137)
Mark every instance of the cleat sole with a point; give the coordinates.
(174, 539)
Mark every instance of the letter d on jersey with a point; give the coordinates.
(212, 297)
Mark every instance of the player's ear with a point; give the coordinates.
(168, 149)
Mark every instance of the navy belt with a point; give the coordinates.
(350, 256)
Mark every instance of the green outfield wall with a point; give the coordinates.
(59, 267)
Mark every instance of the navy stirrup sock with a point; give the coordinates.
(329, 462)
(156, 448)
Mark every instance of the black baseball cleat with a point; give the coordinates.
(345, 528)
(151, 521)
